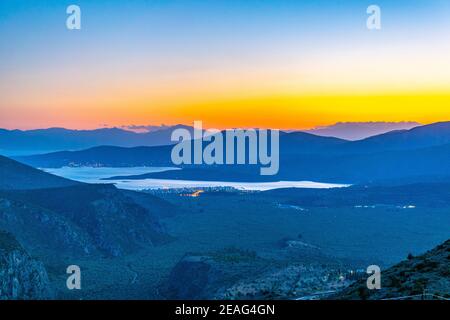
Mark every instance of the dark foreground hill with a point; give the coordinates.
(15, 176)
(428, 273)
(68, 218)
(84, 220)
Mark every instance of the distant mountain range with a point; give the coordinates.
(26, 142)
(419, 152)
(18, 142)
(360, 130)
(418, 137)
(113, 156)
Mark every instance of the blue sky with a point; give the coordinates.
(143, 53)
(156, 29)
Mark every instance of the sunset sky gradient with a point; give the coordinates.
(274, 63)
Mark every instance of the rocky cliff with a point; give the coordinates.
(21, 277)
(423, 277)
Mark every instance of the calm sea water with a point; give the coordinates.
(95, 175)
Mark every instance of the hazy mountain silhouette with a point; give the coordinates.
(360, 130)
(18, 142)
(419, 137)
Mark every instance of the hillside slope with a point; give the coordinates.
(430, 135)
(81, 220)
(429, 273)
(16, 176)
(75, 218)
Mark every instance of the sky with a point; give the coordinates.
(248, 63)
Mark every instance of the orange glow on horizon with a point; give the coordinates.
(304, 112)
(276, 111)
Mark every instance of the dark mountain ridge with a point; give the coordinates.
(421, 151)
(334, 168)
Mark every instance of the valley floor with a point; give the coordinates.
(249, 243)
